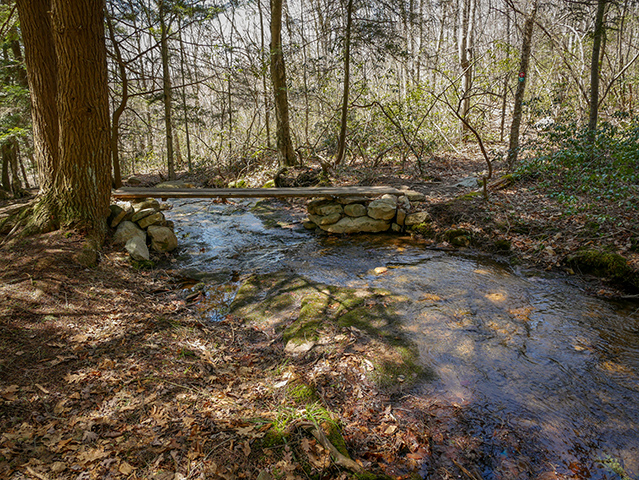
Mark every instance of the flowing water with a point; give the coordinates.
(525, 350)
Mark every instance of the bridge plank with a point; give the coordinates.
(127, 193)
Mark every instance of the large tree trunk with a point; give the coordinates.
(513, 148)
(594, 70)
(278, 77)
(41, 63)
(66, 65)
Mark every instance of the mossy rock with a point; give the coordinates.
(603, 264)
(424, 229)
(302, 393)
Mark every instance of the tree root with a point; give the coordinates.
(338, 457)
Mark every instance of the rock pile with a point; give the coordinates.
(360, 214)
(140, 224)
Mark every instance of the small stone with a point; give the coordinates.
(396, 228)
(350, 200)
(154, 219)
(404, 202)
(137, 248)
(414, 196)
(380, 270)
(293, 347)
(357, 225)
(162, 239)
(118, 214)
(308, 225)
(401, 216)
(381, 210)
(328, 220)
(388, 198)
(126, 231)
(312, 206)
(329, 209)
(140, 214)
(416, 218)
(145, 204)
(355, 210)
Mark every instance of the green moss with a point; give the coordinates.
(468, 196)
(142, 264)
(273, 438)
(502, 245)
(603, 264)
(302, 393)
(425, 229)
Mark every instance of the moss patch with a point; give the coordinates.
(604, 264)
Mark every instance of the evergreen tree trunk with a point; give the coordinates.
(513, 146)
(278, 77)
(65, 56)
(41, 63)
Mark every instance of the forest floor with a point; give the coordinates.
(107, 372)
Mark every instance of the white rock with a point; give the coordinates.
(126, 231)
(137, 248)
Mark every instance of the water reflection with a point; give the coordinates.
(526, 351)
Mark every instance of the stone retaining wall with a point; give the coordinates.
(366, 215)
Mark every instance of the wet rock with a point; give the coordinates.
(382, 209)
(356, 225)
(162, 239)
(416, 218)
(126, 231)
(308, 225)
(355, 210)
(154, 219)
(137, 248)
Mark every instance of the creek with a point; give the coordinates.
(519, 348)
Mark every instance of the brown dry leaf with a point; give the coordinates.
(74, 377)
(91, 455)
(9, 393)
(61, 407)
(306, 445)
(390, 430)
(126, 468)
(246, 448)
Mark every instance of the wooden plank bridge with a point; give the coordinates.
(130, 193)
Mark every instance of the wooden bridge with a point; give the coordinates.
(130, 193)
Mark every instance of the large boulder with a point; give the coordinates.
(137, 248)
(126, 231)
(382, 209)
(329, 209)
(162, 239)
(357, 225)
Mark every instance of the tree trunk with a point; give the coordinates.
(465, 58)
(513, 147)
(184, 105)
(278, 78)
(347, 66)
(65, 56)
(117, 112)
(166, 87)
(263, 64)
(41, 63)
(594, 70)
